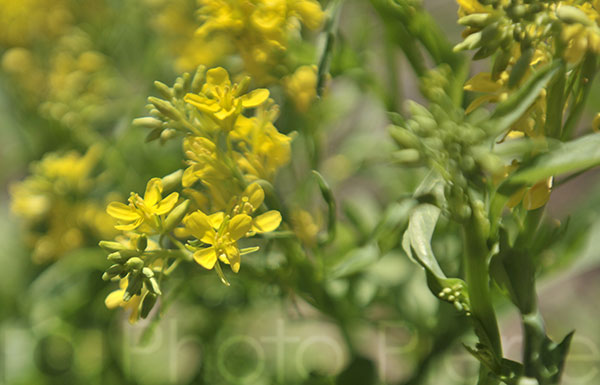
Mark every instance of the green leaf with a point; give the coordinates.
(417, 238)
(576, 155)
(510, 110)
(417, 245)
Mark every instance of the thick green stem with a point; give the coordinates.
(477, 278)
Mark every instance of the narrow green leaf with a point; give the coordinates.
(576, 155)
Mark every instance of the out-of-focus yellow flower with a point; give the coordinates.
(532, 197)
(301, 87)
(143, 211)
(55, 205)
(224, 101)
(115, 299)
(581, 31)
(596, 123)
(305, 227)
(26, 21)
(259, 29)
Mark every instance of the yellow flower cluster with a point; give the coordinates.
(229, 153)
(71, 85)
(258, 29)
(526, 42)
(56, 206)
(26, 21)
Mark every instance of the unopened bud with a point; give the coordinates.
(176, 216)
(165, 108)
(147, 304)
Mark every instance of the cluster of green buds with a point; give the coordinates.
(137, 269)
(501, 25)
(456, 146)
(171, 115)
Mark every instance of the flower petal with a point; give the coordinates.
(216, 219)
(167, 204)
(153, 192)
(130, 226)
(202, 103)
(122, 211)
(239, 226)
(233, 255)
(114, 299)
(217, 77)
(206, 257)
(199, 226)
(255, 98)
(266, 222)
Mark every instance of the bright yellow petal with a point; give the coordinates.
(217, 77)
(224, 114)
(216, 219)
(239, 226)
(167, 204)
(130, 226)
(266, 222)
(206, 257)
(153, 192)
(121, 211)
(255, 98)
(189, 176)
(202, 103)
(199, 226)
(233, 255)
(114, 299)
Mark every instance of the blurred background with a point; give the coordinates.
(74, 73)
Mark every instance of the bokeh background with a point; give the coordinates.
(75, 73)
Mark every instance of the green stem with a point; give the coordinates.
(477, 278)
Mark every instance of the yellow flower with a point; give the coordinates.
(301, 87)
(221, 233)
(143, 211)
(115, 299)
(251, 199)
(224, 101)
(582, 32)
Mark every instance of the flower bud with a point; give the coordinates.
(164, 90)
(176, 216)
(142, 243)
(147, 122)
(134, 263)
(111, 246)
(573, 15)
(165, 108)
(147, 304)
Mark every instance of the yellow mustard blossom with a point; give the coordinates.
(250, 201)
(115, 299)
(305, 227)
(301, 87)
(224, 101)
(263, 149)
(143, 212)
(259, 29)
(175, 23)
(221, 233)
(581, 31)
